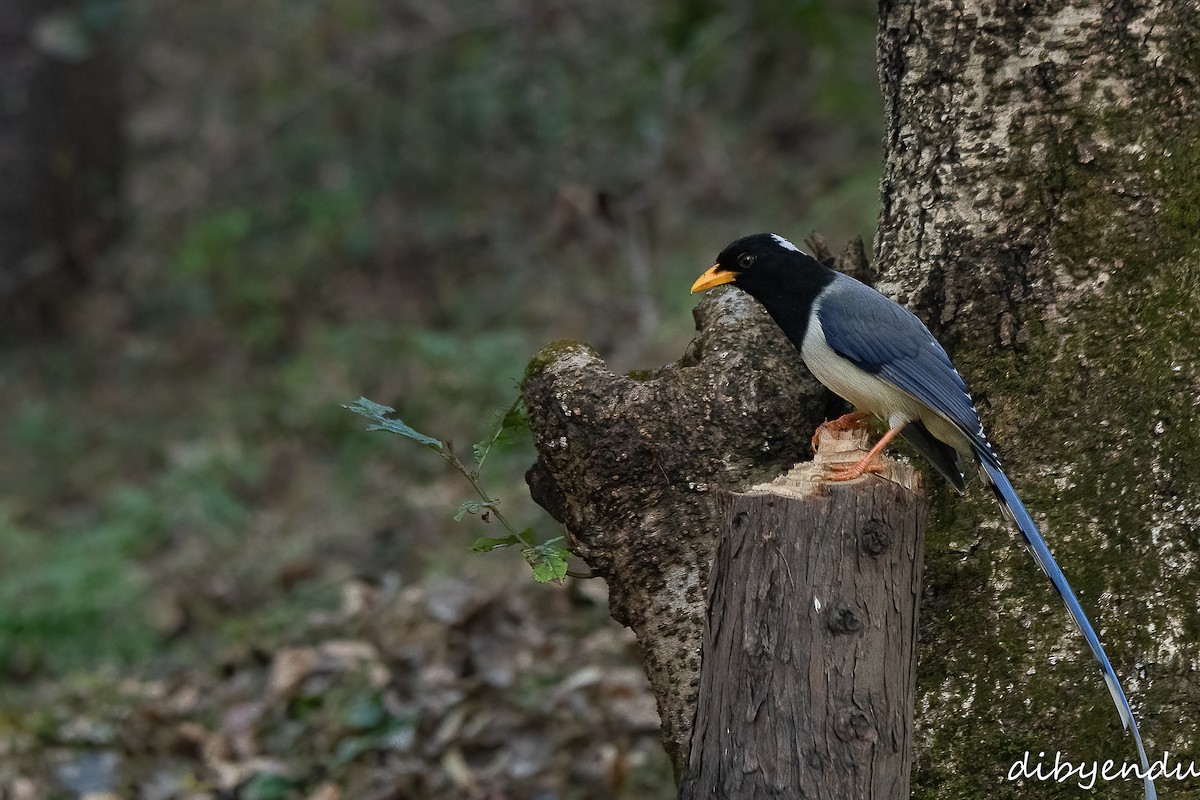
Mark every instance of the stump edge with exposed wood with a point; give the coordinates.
(809, 660)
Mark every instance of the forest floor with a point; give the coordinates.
(450, 688)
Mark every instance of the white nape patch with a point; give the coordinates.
(782, 242)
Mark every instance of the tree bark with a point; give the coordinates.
(806, 685)
(1040, 209)
(60, 153)
(629, 465)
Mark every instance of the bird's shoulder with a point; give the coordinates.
(882, 337)
(872, 329)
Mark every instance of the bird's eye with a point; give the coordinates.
(745, 261)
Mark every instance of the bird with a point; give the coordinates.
(880, 357)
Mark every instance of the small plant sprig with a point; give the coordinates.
(548, 559)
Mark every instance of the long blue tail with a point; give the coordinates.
(1015, 510)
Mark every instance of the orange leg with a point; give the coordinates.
(846, 422)
(868, 463)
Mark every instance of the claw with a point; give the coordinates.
(848, 472)
(855, 420)
(868, 463)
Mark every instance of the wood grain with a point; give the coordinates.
(809, 663)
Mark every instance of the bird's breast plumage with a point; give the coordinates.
(880, 357)
(866, 391)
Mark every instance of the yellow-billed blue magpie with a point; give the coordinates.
(879, 357)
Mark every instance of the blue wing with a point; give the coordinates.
(888, 340)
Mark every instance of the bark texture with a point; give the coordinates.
(60, 153)
(809, 653)
(1041, 209)
(629, 465)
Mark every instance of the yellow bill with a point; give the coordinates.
(712, 278)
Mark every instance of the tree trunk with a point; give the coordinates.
(806, 685)
(629, 465)
(60, 153)
(1041, 209)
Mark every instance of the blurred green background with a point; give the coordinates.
(402, 200)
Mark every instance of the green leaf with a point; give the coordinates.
(548, 559)
(515, 419)
(487, 544)
(379, 414)
(473, 507)
(511, 421)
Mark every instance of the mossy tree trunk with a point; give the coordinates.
(1041, 209)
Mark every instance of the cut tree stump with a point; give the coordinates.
(809, 663)
(631, 466)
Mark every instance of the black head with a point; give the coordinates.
(763, 265)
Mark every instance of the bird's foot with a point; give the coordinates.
(848, 472)
(855, 420)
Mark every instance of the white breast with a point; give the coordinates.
(862, 389)
(867, 392)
